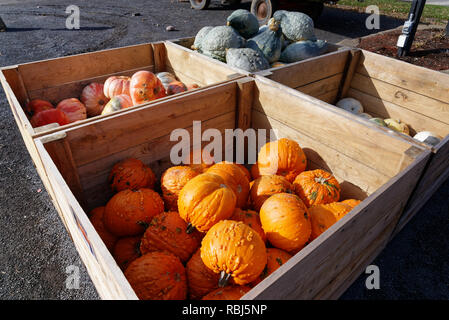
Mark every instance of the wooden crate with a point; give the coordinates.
(379, 168)
(65, 77)
(387, 88)
(185, 44)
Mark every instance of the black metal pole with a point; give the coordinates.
(405, 40)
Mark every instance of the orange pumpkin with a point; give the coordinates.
(234, 177)
(286, 221)
(245, 171)
(38, 105)
(126, 250)
(265, 186)
(205, 200)
(227, 293)
(129, 212)
(96, 218)
(157, 275)
(199, 160)
(94, 99)
(351, 202)
(200, 279)
(275, 258)
(145, 87)
(283, 157)
(131, 174)
(172, 181)
(316, 187)
(48, 116)
(74, 109)
(116, 85)
(167, 231)
(175, 87)
(250, 218)
(323, 216)
(235, 250)
(118, 102)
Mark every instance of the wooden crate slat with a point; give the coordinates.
(407, 99)
(52, 72)
(424, 81)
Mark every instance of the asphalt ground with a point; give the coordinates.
(35, 248)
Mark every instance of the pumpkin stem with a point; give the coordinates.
(224, 278)
(190, 228)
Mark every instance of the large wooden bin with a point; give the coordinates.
(371, 165)
(65, 77)
(387, 88)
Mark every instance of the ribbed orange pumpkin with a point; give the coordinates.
(200, 279)
(316, 187)
(131, 174)
(172, 181)
(275, 258)
(96, 218)
(126, 250)
(199, 160)
(351, 202)
(234, 177)
(205, 200)
(157, 275)
(286, 222)
(235, 250)
(129, 212)
(323, 216)
(250, 218)
(116, 85)
(167, 231)
(245, 171)
(265, 186)
(283, 157)
(38, 105)
(94, 99)
(227, 293)
(74, 109)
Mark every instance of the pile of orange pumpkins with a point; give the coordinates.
(213, 231)
(116, 93)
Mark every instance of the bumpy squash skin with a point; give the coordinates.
(244, 22)
(131, 174)
(172, 181)
(275, 259)
(200, 37)
(250, 218)
(269, 41)
(126, 250)
(247, 59)
(96, 218)
(233, 248)
(296, 26)
(218, 40)
(157, 276)
(302, 50)
(200, 279)
(265, 186)
(167, 232)
(317, 187)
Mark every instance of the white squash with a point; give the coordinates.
(428, 137)
(350, 104)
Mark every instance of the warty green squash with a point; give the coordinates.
(244, 22)
(269, 41)
(220, 38)
(301, 50)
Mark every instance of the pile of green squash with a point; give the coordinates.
(286, 38)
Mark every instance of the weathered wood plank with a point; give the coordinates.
(53, 72)
(407, 99)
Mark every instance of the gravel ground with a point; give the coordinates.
(35, 247)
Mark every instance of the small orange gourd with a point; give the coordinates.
(131, 174)
(227, 293)
(323, 216)
(126, 250)
(265, 186)
(172, 181)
